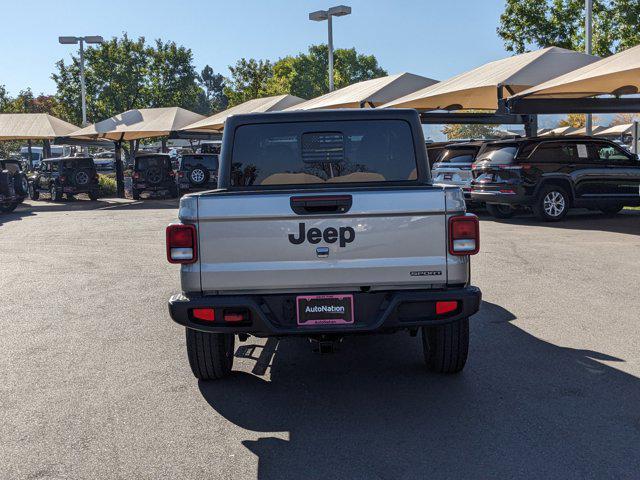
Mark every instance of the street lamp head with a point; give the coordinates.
(319, 16)
(93, 39)
(68, 40)
(340, 11)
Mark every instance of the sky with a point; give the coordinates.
(434, 38)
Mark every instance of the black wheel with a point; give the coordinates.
(446, 346)
(56, 195)
(135, 194)
(93, 196)
(611, 210)
(499, 210)
(21, 184)
(70, 197)
(210, 354)
(33, 193)
(552, 204)
(8, 207)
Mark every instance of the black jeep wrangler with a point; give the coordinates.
(14, 186)
(152, 172)
(198, 171)
(65, 175)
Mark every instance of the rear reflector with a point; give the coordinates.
(464, 235)
(446, 307)
(234, 316)
(181, 243)
(206, 314)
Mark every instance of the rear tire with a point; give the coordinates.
(8, 207)
(34, 194)
(210, 354)
(499, 210)
(56, 195)
(446, 346)
(552, 204)
(135, 194)
(611, 210)
(93, 196)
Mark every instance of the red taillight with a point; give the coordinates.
(464, 235)
(63, 178)
(172, 173)
(446, 307)
(206, 314)
(181, 174)
(507, 191)
(136, 175)
(182, 244)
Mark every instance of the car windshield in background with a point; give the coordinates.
(77, 163)
(500, 154)
(457, 155)
(148, 162)
(208, 161)
(323, 152)
(12, 167)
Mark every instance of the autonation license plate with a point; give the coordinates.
(325, 310)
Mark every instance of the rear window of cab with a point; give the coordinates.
(457, 155)
(208, 161)
(299, 153)
(77, 163)
(498, 153)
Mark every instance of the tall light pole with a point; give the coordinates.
(588, 7)
(81, 41)
(321, 15)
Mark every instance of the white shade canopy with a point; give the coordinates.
(478, 88)
(257, 105)
(373, 92)
(139, 123)
(559, 131)
(617, 130)
(617, 75)
(33, 126)
(583, 130)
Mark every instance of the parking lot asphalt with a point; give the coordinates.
(94, 379)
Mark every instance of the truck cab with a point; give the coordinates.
(324, 224)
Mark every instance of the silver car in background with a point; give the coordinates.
(453, 165)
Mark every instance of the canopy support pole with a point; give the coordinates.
(29, 153)
(46, 149)
(119, 171)
(531, 125)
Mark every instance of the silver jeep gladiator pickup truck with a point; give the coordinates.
(324, 224)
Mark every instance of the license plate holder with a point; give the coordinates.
(315, 310)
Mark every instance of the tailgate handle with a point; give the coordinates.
(316, 205)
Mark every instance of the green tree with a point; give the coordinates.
(306, 74)
(212, 85)
(172, 77)
(122, 74)
(4, 99)
(459, 131)
(248, 80)
(527, 24)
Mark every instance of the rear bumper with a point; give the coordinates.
(275, 315)
(72, 189)
(154, 188)
(489, 196)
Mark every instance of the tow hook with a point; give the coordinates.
(324, 344)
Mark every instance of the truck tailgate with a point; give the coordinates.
(387, 237)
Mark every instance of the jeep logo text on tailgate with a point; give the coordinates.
(330, 235)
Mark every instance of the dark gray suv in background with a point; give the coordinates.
(551, 175)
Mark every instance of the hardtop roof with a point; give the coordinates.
(407, 114)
